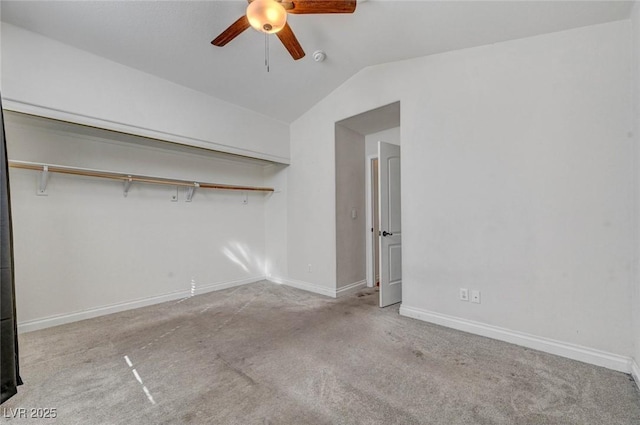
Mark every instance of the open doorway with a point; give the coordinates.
(357, 233)
(384, 243)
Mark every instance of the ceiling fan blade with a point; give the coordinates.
(321, 6)
(290, 41)
(232, 32)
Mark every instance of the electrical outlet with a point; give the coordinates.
(464, 294)
(308, 268)
(475, 297)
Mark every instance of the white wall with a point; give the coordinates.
(85, 246)
(517, 181)
(350, 197)
(275, 224)
(48, 78)
(635, 21)
(391, 135)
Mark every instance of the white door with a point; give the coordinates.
(390, 230)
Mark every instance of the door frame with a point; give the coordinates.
(371, 239)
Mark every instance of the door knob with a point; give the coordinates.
(385, 233)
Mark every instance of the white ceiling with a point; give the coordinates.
(171, 39)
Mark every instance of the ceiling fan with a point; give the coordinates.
(270, 16)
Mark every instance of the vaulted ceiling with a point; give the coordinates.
(171, 39)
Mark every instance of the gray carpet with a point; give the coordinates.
(270, 354)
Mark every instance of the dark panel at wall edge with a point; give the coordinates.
(9, 360)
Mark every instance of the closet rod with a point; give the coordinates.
(130, 177)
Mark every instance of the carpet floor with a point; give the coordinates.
(270, 354)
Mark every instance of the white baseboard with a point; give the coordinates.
(351, 288)
(559, 348)
(635, 372)
(61, 319)
(306, 286)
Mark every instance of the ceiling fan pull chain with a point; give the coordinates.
(266, 51)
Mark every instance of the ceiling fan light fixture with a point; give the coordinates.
(267, 16)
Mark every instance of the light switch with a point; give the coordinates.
(354, 213)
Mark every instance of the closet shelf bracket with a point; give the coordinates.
(42, 182)
(127, 185)
(190, 191)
